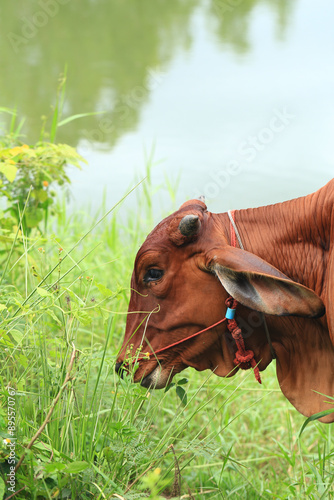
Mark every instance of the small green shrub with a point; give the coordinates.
(28, 175)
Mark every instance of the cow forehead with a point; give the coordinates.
(159, 246)
(161, 232)
(156, 242)
(151, 256)
(161, 255)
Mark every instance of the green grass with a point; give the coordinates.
(109, 438)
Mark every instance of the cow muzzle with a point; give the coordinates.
(119, 369)
(157, 379)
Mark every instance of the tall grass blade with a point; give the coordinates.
(19, 228)
(314, 417)
(58, 107)
(79, 115)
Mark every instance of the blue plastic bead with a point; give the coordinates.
(230, 313)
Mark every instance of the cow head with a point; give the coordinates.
(182, 275)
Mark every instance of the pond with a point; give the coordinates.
(232, 99)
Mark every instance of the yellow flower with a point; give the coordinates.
(16, 150)
(157, 471)
(45, 183)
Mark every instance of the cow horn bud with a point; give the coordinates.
(189, 225)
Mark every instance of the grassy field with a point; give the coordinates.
(84, 433)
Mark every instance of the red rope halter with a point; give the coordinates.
(183, 340)
(243, 358)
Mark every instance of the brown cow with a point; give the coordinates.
(186, 269)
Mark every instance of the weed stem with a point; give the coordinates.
(147, 470)
(53, 405)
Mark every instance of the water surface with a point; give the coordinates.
(233, 96)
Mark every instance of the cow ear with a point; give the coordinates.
(258, 285)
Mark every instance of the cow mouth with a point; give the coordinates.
(157, 379)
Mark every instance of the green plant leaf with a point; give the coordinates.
(103, 289)
(182, 381)
(55, 466)
(54, 317)
(9, 171)
(169, 386)
(182, 395)
(76, 467)
(82, 316)
(2, 488)
(40, 195)
(33, 217)
(17, 335)
(23, 360)
(42, 292)
(108, 453)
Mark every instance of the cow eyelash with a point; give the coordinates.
(153, 274)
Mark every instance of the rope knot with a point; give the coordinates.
(243, 358)
(231, 303)
(235, 331)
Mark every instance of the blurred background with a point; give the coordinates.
(232, 99)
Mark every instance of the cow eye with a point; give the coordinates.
(153, 275)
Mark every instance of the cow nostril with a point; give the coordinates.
(119, 369)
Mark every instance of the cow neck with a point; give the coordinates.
(292, 236)
(234, 237)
